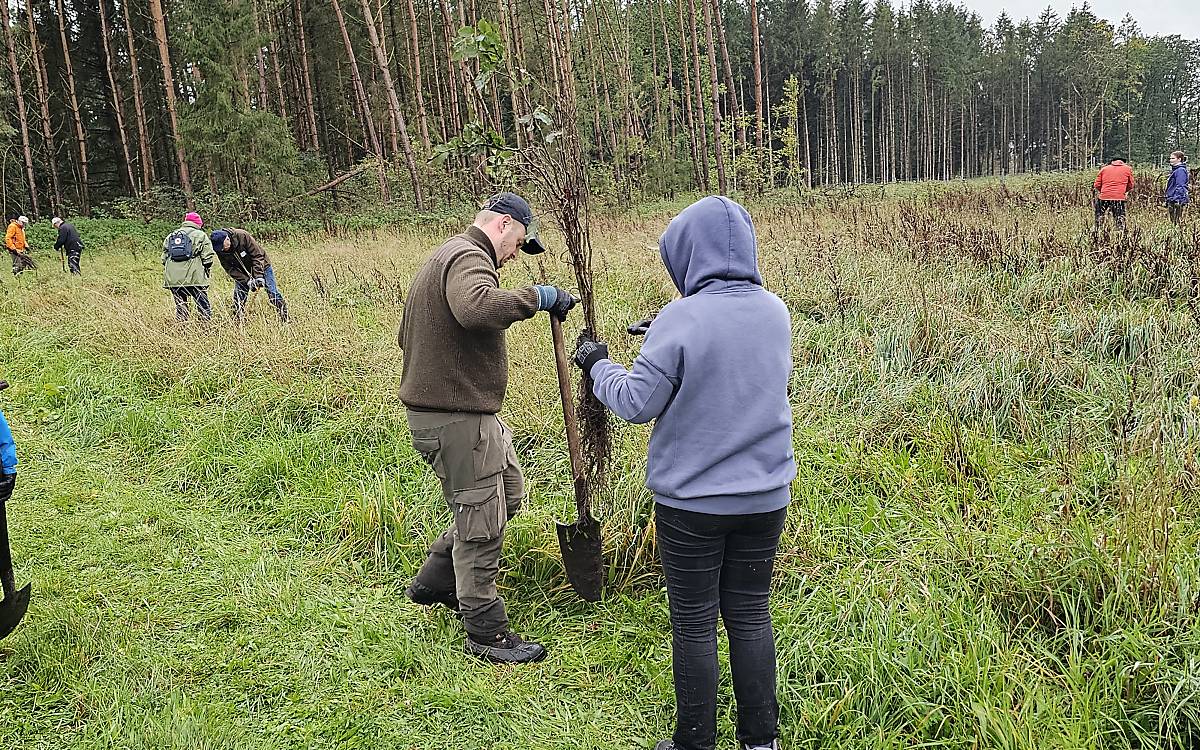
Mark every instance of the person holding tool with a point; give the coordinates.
(245, 261)
(454, 379)
(68, 242)
(14, 240)
(721, 461)
(187, 265)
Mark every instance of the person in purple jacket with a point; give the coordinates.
(1177, 187)
(713, 374)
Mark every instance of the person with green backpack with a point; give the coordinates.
(187, 261)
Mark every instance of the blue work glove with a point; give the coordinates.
(589, 351)
(556, 300)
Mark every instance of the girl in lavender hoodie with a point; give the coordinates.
(713, 374)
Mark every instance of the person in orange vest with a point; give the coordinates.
(1112, 186)
(14, 240)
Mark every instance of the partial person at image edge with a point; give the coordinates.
(720, 462)
(8, 460)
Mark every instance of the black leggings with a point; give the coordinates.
(721, 564)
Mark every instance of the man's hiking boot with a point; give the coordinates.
(421, 594)
(505, 648)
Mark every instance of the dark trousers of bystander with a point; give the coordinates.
(1116, 208)
(183, 296)
(721, 565)
(21, 262)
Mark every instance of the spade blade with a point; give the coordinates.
(583, 556)
(12, 609)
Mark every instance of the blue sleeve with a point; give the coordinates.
(638, 395)
(8, 449)
(641, 393)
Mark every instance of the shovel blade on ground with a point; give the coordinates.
(583, 556)
(12, 609)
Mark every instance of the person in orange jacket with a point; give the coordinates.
(1112, 186)
(14, 240)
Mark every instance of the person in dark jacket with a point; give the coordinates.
(721, 461)
(69, 242)
(1177, 187)
(248, 265)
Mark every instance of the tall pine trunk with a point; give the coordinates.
(756, 46)
(698, 90)
(363, 103)
(418, 81)
(116, 96)
(139, 108)
(73, 101)
(18, 92)
(164, 56)
(310, 114)
(43, 94)
(394, 105)
(722, 182)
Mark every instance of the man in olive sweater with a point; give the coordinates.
(454, 380)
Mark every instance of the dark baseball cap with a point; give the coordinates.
(517, 207)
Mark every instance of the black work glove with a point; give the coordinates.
(641, 327)
(589, 351)
(7, 483)
(207, 270)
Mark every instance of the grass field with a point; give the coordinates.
(993, 541)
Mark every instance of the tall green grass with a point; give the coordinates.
(993, 539)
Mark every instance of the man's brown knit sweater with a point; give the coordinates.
(452, 333)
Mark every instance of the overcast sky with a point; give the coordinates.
(1160, 17)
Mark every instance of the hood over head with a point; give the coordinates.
(710, 245)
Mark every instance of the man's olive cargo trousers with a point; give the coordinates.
(482, 483)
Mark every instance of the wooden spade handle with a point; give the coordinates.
(568, 403)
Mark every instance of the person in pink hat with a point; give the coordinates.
(187, 261)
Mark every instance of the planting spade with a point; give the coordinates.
(580, 542)
(15, 603)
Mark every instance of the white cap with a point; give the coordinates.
(23, 220)
(56, 221)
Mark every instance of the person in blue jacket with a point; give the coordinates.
(1177, 187)
(8, 457)
(713, 374)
